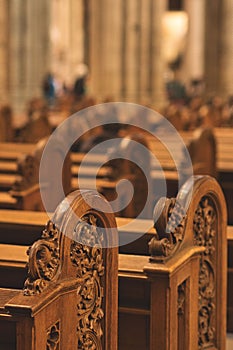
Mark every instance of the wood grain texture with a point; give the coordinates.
(63, 292)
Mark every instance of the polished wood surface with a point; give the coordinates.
(141, 281)
(53, 309)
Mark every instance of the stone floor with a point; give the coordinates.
(229, 341)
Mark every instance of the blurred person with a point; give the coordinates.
(49, 88)
(79, 87)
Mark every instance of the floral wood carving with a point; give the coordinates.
(170, 231)
(181, 298)
(88, 259)
(44, 260)
(28, 170)
(204, 235)
(53, 337)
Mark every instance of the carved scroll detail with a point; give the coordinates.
(88, 259)
(204, 235)
(53, 337)
(44, 260)
(170, 231)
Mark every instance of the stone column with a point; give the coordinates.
(144, 64)
(66, 39)
(17, 53)
(111, 54)
(225, 81)
(145, 52)
(38, 46)
(105, 48)
(95, 24)
(125, 49)
(132, 50)
(193, 65)
(4, 50)
(212, 29)
(156, 66)
(28, 49)
(60, 28)
(76, 36)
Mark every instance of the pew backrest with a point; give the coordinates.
(197, 219)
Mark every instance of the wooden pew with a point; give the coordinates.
(19, 175)
(19, 183)
(201, 145)
(211, 153)
(139, 289)
(36, 124)
(202, 151)
(69, 297)
(230, 279)
(150, 288)
(6, 127)
(225, 166)
(129, 160)
(108, 177)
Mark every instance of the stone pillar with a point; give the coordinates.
(105, 48)
(193, 65)
(76, 37)
(60, 25)
(156, 66)
(126, 49)
(112, 44)
(212, 29)
(28, 49)
(225, 81)
(66, 39)
(219, 48)
(17, 53)
(132, 50)
(4, 50)
(38, 46)
(144, 72)
(144, 64)
(95, 24)
(142, 57)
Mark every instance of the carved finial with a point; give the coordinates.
(169, 228)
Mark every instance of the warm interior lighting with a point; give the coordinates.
(175, 28)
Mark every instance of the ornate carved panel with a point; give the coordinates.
(182, 315)
(87, 255)
(181, 298)
(44, 260)
(53, 337)
(204, 235)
